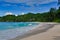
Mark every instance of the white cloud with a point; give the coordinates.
(8, 13)
(22, 13)
(16, 15)
(27, 2)
(30, 1)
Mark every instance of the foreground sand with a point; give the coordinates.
(51, 34)
(48, 32)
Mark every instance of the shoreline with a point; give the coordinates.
(51, 34)
(37, 30)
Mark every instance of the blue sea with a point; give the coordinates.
(9, 30)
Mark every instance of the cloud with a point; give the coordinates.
(30, 1)
(6, 5)
(8, 13)
(25, 3)
(3, 3)
(16, 15)
(22, 13)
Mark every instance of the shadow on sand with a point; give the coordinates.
(56, 38)
(34, 33)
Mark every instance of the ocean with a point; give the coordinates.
(9, 30)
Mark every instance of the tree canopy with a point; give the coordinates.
(52, 16)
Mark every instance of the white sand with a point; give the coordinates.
(51, 34)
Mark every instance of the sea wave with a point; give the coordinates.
(12, 33)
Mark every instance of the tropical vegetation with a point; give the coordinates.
(52, 16)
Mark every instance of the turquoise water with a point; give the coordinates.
(10, 30)
(11, 25)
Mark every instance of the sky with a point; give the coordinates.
(24, 6)
(58, 3)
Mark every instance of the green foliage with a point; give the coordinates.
(52, 16)
(58, 20)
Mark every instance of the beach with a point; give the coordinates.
(49, 31)
(51, 34)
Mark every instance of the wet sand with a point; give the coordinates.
(46, 32)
